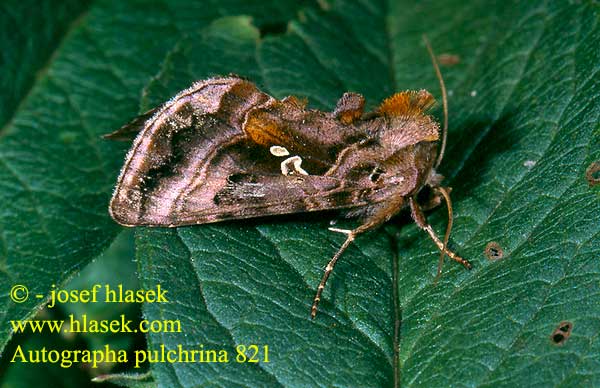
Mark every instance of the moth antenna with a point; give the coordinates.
(446, 196)
(444, 101)
(421, 221)
(329, 268)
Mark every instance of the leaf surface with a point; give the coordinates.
(81, 74)
(524, 126)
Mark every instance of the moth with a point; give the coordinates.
(224, 150)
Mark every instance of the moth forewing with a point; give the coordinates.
(224, 150)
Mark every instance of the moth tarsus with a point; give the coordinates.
(421, 221)
(223, 150)
(446, 195)
(329, 268)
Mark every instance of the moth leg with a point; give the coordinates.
(421, 221)
(351, 235)
(349, 108)
(378, 215)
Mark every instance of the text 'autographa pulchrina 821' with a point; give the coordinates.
(224, 150)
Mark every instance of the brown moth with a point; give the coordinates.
(224, 150)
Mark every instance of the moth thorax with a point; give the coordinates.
(406, 131)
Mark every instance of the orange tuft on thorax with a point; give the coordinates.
(408, 103)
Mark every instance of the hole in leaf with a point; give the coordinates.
(561, 334)
(592, 174)
(565, 328)
(493, 251)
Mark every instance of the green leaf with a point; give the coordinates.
(518, 149)
(114, 267)
(55, 170)
(30, 32)
(524, 126)
(81, 74)
(43, 374)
